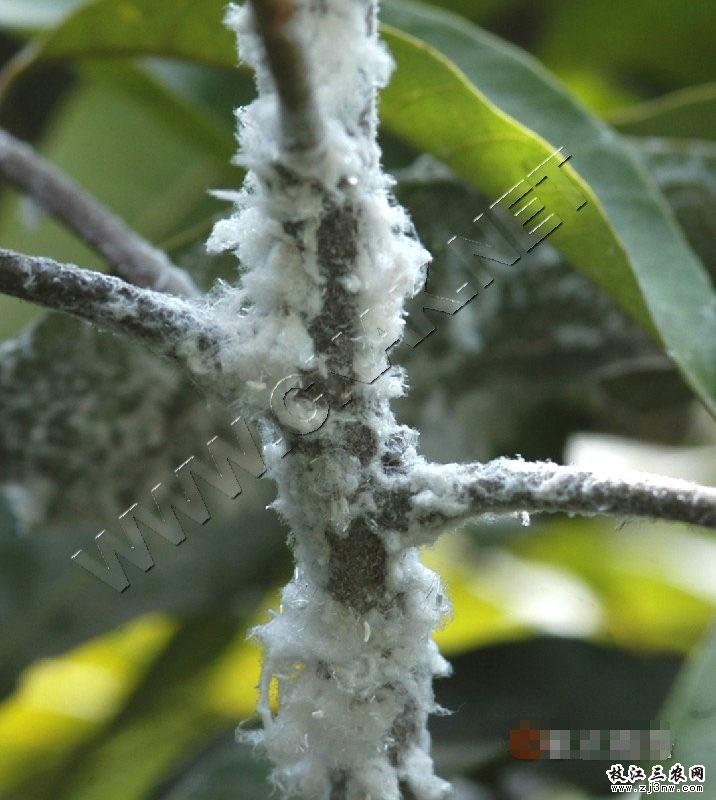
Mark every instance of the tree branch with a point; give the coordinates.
(169, 325)
(131, 256)
(300, 121)
(451, 494)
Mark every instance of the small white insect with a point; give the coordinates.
(366, 631)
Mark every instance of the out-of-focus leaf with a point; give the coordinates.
(225, 771)
(648, 589)
(165, 721)
(64, 700)
(537, 353)
(150, 155)
(122, 710)
(690, 711)
(206, 87)
(655, 586)
(50, 604)
(598, 91)
(671, 49)
(498, 597)
(685, 171)
(476, 12)
(624, 239)
(132, 27)
(556, 682)
(689, 113)
(478, 615)
(120, 718)
(139, 147)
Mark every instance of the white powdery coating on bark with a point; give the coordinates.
(447, 494)
(354, 688)
(339, 716)
(273, 232)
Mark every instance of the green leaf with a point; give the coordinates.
(649, 601)
(541, 351)
(685, 171)
(143, 149)
(671, 48)
(90, 424)
(148, 154)
(157, 697)
(477, 12)
(48, 604)
(533, 356)
(624, 239)
(433, 105)
(226, 770)
(191, 29)
(166, 720)
(689, 113)
(690, 710)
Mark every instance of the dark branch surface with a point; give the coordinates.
(301, 123)
(131, 256)
(169, 325)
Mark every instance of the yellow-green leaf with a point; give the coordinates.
(493, 114)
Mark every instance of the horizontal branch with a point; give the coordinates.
(449, 494)
(300, 121)
(130, 256)
(169, 325)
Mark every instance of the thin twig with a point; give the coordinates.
(169, 325)
(300, 121)
(131, 256)
(448, 494)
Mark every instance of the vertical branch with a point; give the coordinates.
(300, 121)
(320, 241)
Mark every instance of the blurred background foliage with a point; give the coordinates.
(586, 623)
